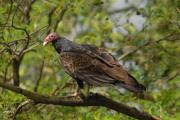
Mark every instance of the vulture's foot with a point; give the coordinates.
(77, 93)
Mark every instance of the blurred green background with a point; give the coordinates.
(148, 30)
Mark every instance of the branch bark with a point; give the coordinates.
(92, 100)
(16, 64)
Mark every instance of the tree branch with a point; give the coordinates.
(132, 8)
(50, 19)
(40, 75)
(16, 64)
(28, 104)
(61, 15)
(28, 10)
(171, 37)
(92, 100)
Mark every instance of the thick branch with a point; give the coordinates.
(16, 65)
(93, 100)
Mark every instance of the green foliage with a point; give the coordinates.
(155, 63)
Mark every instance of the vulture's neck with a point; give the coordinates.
(63, 44)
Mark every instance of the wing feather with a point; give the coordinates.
(96, 66)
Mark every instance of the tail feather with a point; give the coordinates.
(135, 89)
(132, 85)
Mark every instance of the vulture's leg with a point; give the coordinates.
(80, 86)
(80, 83)
(77, 92)
(83, 88)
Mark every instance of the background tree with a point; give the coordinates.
(143, 34)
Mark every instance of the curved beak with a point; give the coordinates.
(45, 43)
(46, 40)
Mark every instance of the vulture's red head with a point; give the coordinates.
(51, 37)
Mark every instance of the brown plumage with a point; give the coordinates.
(93, 65)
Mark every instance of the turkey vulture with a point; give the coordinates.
(92, 65)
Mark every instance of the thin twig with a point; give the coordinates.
(40, 75)
(28, 10)
(171, 37)
(132, 8)
(50, 19)
(61, 15)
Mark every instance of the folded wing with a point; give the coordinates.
(97, 67)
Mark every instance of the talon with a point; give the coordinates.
(75, 94)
